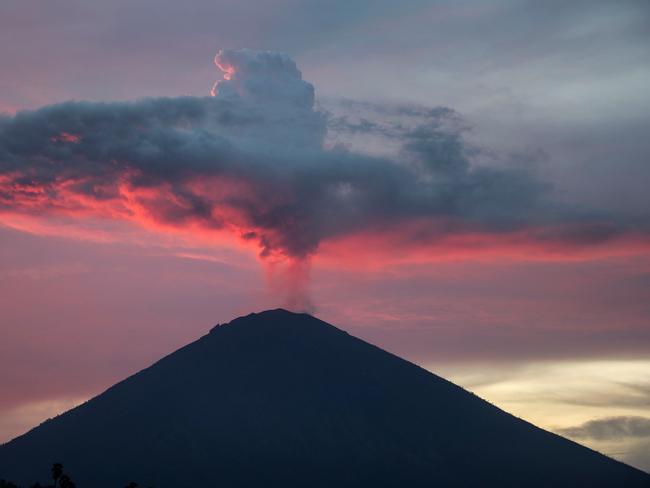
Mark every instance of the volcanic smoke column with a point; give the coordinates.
(273, 81)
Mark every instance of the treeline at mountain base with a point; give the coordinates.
(59, 480)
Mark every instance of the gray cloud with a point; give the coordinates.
(253, 160)
(249, 159)
(610, 428)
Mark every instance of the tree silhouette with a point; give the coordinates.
(66, 482)
(61, 480)
(57, 471)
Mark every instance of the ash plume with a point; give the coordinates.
(252, 160)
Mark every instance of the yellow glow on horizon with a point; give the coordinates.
(555, 395)
(23, 418)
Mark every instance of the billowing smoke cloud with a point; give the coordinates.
(254, 160)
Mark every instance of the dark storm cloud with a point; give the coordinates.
(251, 160)
(610, 428)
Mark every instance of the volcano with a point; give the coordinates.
(279, 399)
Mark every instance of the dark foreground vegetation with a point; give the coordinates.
(59, 480)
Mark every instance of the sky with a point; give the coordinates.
(461, 183)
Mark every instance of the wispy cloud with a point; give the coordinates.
(609, 428)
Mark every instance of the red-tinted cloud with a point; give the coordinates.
(252, 163)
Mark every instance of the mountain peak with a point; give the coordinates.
(271, 314)
(277, 319)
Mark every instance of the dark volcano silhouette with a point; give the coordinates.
(279, 399)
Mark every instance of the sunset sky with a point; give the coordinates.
(462, 183)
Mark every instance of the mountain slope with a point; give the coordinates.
(284, 399)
